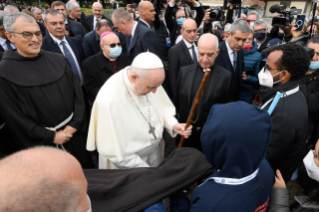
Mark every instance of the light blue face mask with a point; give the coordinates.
(115, 52)
(137, 15)
(317, 17)
(180, 21)
(314, 65)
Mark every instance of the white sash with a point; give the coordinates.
(285, 94)
(59, 126)
(233, 181)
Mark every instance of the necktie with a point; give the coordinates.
(194, 54)
(8, 44)
(129, 46)
(71, 61)
(96, 23)
(234, 60)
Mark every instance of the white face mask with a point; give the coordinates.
(266, 79)
(311, 167)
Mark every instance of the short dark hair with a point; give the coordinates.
(314, 39)
(295, 59)
(57, 3)
(102, 23)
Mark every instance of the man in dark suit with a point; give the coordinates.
(97, 9)
(57, 42)
(174, 26)
(74, 10)
(217, 89)
(231, 55)
(100, 67)
(75, 29)
(182, 54)
(91, 42)
(37, 13)
(138, 37)
(260, 33)
(147, 13)
(4, 42)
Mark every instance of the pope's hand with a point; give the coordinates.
(180, 129)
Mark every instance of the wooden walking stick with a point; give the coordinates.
(195, 103)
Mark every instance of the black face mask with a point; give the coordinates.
(260, 36)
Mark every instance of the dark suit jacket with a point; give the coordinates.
(217, 91)
(49, 45)
(42, 28)
(97, 69)
(144, 40)
(141, 22)
(90, 20)
(1, 54)
(77, 29)
(178, 57)
(224, 61)
(1, 49)
(81, 21)
(91, 44)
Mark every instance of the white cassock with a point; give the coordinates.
(119, 131)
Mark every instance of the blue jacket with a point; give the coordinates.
(231, 148)
(252, 59)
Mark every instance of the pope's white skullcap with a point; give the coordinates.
(147, 60)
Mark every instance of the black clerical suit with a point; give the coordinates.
(39, 93)
(97, 69)
(81, 21)
(178, 57)
(90, 20)
(76, 28)
(144, 40)
(224, 61)
(217, 91)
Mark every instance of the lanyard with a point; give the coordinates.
(166, 27)
(288, 93)
(233, 181)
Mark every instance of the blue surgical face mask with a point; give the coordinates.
(314, 65)
(180, 21)
(317, 17)
(115, 52)
(137, 15)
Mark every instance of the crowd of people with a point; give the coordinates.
(84, 86)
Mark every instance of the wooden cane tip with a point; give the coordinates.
(207, 69)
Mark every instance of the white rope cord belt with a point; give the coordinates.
(59, 126)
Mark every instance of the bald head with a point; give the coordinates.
(189, 30)
(27, 176)
(97, 9)
(147, 11)
(207, 50)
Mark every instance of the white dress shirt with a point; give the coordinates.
(4, 45)
(230, 53)
(94, 21)
(189, 46)
(133, 30)
(58, 42)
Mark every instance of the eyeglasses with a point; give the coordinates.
(112, 45)
(260, 30)
(29, 35)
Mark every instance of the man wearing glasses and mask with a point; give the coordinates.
(285, 66)
(100, 67)
(41, 99)
(261, 35)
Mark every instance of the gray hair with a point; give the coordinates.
(9, 19)
(52, 12)
(253, 13)
(227, 27)
(10, 8)
(71, 5)
(33, 10)
(240, 25)
(260, 22)
(121, 15)
(2, 14)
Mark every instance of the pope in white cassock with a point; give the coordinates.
(129, 115)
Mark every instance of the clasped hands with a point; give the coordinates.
(63, 136)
